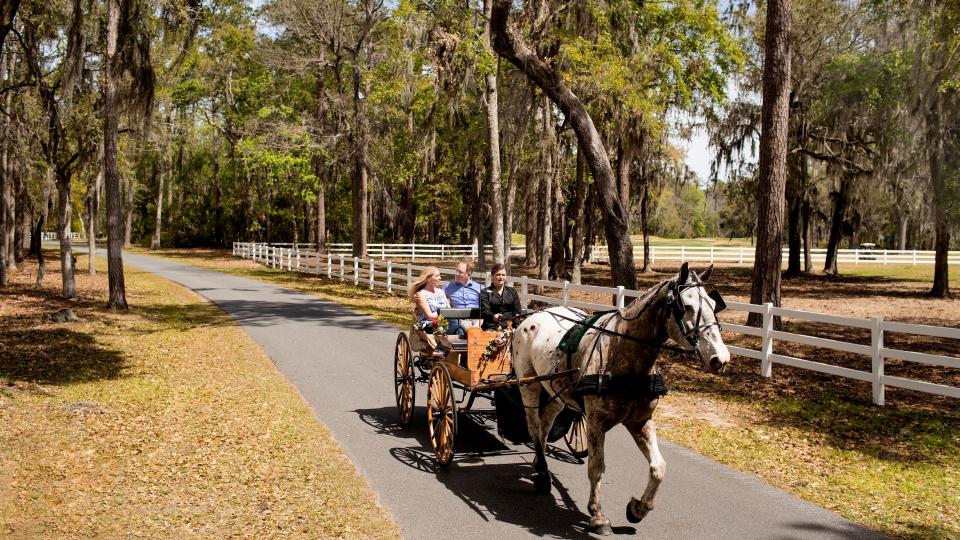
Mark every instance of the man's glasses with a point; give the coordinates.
(459, 273)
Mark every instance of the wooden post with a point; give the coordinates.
(341, 267)
(766, 344)
(524, 299)
(876, 346)
(372, 273)
(409, 274)
(356, 271)
(566, 293)
(329, 265)
(620, 302)
(389, 276)
(487, 279)
(413, 252)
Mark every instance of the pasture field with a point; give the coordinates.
(166, 421)
(895, 469)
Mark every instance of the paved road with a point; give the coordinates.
(341, 362)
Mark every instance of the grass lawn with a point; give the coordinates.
(166, 421)
(895, 469)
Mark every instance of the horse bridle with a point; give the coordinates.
(675, 303)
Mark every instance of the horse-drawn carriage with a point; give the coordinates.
(478, 366)
(609, 370)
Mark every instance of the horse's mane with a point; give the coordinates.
(645, 298)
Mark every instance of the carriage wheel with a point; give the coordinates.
(576, 437)
(403, 382)
(441, 413)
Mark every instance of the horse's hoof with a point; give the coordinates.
(636, 511)
(542, 483)
(600, 527)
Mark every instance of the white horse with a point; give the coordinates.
(618, 382)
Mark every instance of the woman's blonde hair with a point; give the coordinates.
(421, 281)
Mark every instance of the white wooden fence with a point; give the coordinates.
(54, 236)
(408, 251)
(389, 275)
(744, 255)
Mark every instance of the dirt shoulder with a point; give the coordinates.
(167, 421)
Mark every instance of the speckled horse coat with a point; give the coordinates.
(680, 309)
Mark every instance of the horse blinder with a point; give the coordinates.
(718, 303)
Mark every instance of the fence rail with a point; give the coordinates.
(48, 236)
(744, 255)
(392, 275)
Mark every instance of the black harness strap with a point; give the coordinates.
(624, 385)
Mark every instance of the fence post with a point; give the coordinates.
(619, 297)
(356, 270)
(885, 257)
(372, 272)
(473, 251)
(856, 256)
(741, 256)
(876, 346)
(341, 267)
(914, 257)
(653, 254)
(389, 276)
(329, 265)
(766, 343)
(487, 278)
(711, 254)
(566, 293)
(413, 254)
(317, 269)
(523, 292)
(442, 250)
(409, 274)
(682, 254)
(298, 260)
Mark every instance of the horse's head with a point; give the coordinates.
(693, 307)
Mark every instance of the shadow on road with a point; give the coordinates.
(495, 491)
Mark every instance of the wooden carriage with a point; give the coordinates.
(465, 368)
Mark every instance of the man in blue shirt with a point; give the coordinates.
(464, 293)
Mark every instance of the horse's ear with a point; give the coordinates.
(705, 276)
(684, 274)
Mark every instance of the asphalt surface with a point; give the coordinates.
(342, 363)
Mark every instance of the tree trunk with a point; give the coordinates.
(645, 225)
(93, 212)
(131, 186)
(941, 227)
(157, 224)
(773, 158)
(543, 75)
(546, 188)
(493, 148)
(902, 237)
(841, 200)
(321, 224)
(63, 230)
(624, 156)
(579, 223)
(7, 203)
(115, 231)
(22, 221)
(361, 141)
(806, 212)
(531, 222)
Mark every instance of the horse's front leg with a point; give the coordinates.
(646, 437)
(596, 435)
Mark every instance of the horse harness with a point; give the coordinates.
(638, 386)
